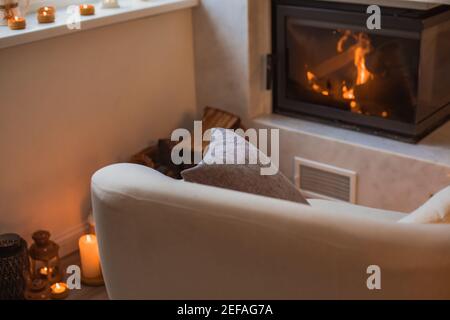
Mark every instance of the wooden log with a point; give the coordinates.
(159, 156)
(331, 65)
(216, 118)
(165, 147)
(335, 63)
(145, 157)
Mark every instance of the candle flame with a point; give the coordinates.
(58, 286)
(88, 238)
(45, 271)
(85, 6)
(16, 18)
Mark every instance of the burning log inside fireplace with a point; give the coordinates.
(335, 63)
(354, 56)
(357, 77)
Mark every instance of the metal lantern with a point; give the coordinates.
(44, 258)
(37, 289)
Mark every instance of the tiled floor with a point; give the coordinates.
(85, 293)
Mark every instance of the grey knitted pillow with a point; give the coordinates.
(216, 169)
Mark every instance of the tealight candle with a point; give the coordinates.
(59, 291)
(45, 271)
(17, 23)
(87, 10)
(46, 9)
(109, 4)
(90, 259)
(46, 15)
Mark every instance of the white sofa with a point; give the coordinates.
(165, 239)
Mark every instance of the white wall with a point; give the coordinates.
(221, 52)
(73, 104)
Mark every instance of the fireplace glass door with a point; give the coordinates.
(328, 66)
(352, 70)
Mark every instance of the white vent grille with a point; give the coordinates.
(319, 180)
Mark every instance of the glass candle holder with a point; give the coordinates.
(87, 9)
(17, 23)
(110, 4)
(46, 15)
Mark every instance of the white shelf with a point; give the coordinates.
(129, 10)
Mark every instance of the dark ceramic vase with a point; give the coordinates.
(14, 267)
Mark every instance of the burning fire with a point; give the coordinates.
(363, 48)
(347, 94)
(357, 54)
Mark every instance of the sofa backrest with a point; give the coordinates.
(165, 239)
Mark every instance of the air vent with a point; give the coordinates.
(319, 180)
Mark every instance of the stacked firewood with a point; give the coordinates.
(158, 156)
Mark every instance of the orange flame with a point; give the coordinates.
(363, 75)
(347, 93)
(360, 59)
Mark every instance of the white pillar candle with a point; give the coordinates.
(90, 259)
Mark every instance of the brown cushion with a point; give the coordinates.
(216, 170)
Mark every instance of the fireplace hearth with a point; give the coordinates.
(329, 66)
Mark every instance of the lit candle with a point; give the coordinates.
(46, 14)
(46, 9)
(108, 4)
(59, 291)
(87, 9)
(17, 23)
(44, 271)
(90, 260)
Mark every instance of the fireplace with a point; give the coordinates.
(328, 66)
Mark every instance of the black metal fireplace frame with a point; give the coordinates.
(395, 22)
